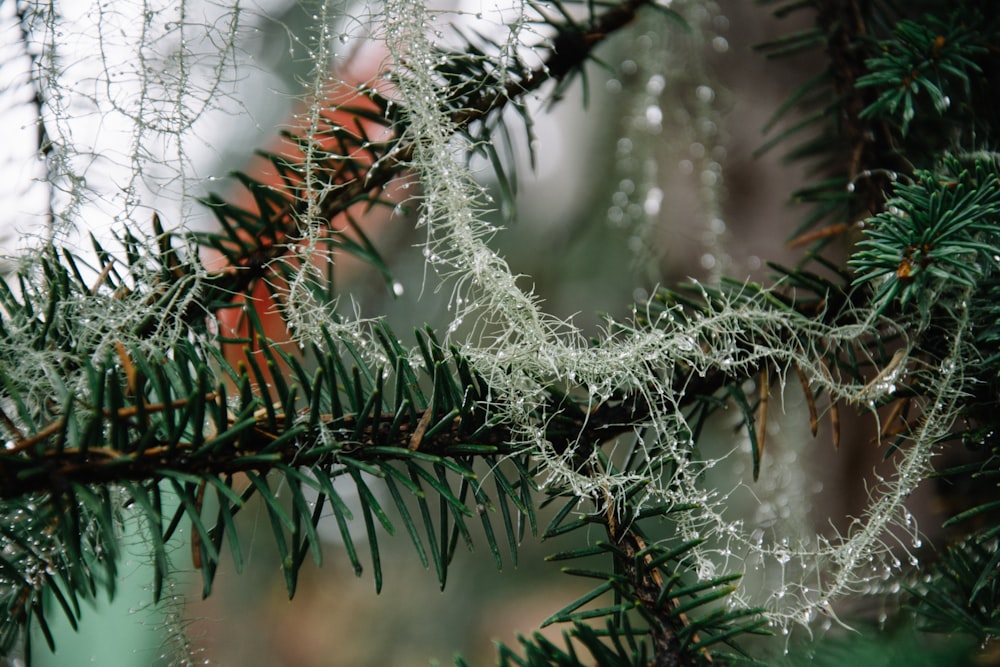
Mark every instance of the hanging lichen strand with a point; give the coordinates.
(124, 90)
(522, 351)
(671, 114)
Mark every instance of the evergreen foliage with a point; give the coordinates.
(120, 400)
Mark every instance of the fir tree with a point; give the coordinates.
(146, 382)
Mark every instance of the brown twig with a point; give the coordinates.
(648, 584)
(764, 391)
(869, 142)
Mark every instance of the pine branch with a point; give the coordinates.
(34, 464)
(648, 586)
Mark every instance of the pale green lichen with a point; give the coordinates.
(520, 350)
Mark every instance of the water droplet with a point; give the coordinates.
(704, 93)
(397, 288)
(656, 84)
(651, 205)
(654, 115)
(616, 216)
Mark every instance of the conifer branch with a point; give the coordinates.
(33, 465)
